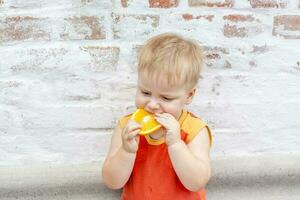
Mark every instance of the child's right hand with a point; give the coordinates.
(130, 136)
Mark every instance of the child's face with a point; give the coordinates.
(156, 96)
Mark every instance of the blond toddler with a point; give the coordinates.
(172, 163)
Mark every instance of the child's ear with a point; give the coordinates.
(191, 94)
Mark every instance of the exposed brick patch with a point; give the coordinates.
(239, 18)
(1, 2)
(214, 52)
(163, 3)
(211, 3)
(60, 63)
(21, 28)
(233, 31)
(268, 3)
(260, 49)
(103, 58)
(189, 17)
(241, 26)
(84, 27)
(216, 56)
(287, 26)
(82, 97)
(132, 26)
(124, 3)
(37, 60)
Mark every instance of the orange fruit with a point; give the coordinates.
(146, 120)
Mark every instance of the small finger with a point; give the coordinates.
(133, 134)
(159, 115)
(160, 118)
(132, 122)
(131, 126)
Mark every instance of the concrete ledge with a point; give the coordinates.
(270, 177)
(247, 177)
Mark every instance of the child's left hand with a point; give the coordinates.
(172, 127)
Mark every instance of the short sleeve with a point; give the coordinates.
(192, 126)
(124, 120)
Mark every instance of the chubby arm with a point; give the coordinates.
(119, 162)
(191, 161)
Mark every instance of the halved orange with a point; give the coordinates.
(146, 120)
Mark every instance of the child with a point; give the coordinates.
(172, 163)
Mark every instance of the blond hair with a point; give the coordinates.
(176, 58)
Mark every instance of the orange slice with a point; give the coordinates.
(146, 120)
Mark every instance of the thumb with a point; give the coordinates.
(137, 138)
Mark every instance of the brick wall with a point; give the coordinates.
(67, 72)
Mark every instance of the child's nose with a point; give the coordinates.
(153, 104)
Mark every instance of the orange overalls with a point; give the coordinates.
(153, 177)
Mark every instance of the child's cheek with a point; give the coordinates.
(140, 101)
(174, 110)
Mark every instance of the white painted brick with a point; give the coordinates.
(67, 73)
(36, 4)
(55, 26)
(190, 27)
(58, 62)
(133, 4)
(55, 147)
(143, 26)
(69, 117)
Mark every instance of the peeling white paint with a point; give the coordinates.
(59, 103)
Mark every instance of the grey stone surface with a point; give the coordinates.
(270, 177)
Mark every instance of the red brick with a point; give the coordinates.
(76, 28)
(231, 31)
(163, 3)
(241, 25)
(189, 17)
(214, 52)
(239, 18)
(267, 4)
(211, 3)
(216, 56)
(1, 2)
(21, 28)
(287, 26)
(124, 3)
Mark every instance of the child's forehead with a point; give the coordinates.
(159, 83)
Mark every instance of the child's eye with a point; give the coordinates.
(145, 93)
(167, 99)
